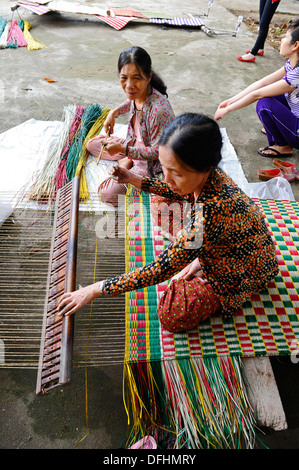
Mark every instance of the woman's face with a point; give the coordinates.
(181, 178)
(134, 83)
(286, 48)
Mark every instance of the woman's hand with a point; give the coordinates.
(115, 148)
(110, 122)
(222, 110)
(70, 302)
(192, 270)
(124, 176)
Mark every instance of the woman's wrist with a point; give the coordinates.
(136, 180)
(101, 288)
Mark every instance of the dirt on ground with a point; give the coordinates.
(277, 28)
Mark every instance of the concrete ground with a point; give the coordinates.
(200, 72)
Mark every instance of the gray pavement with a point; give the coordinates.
(200, 72)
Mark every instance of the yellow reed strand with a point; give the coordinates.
(32, 44)
(93, 132)
(86, 349)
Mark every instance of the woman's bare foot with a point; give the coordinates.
(248, 56)
(270, 150)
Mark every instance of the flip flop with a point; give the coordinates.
(266, 175)
(269, 155)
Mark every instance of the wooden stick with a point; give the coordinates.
(101, 153)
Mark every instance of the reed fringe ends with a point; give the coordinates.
(68, 157)
(196, 403)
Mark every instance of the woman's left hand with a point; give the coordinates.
(192, 270)
(115, 148)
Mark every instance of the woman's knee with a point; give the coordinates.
(185, 304)
(264, 103)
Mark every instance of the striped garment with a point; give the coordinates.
(292, 78)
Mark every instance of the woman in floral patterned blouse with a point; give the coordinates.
(149, 112)
(221, 257)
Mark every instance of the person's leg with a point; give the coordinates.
(94, 146)
(280, 124)
(109, 190)
(267, 10)
(184, 304)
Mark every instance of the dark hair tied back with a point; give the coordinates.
(195, 139)
(138, 56)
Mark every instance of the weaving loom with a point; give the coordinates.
(56, 352)
(190, 384)
(25, 251)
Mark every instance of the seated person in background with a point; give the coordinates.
(278, 100)
(223, 255)
(149, 112)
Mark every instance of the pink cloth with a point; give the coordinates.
(94, 146)
(109, 188)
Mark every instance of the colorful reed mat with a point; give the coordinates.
(188, 388)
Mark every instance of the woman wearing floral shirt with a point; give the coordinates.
(221, 257)
(149, 112)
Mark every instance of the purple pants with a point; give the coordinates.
(281, 125)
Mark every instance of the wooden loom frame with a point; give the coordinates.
(55, 362)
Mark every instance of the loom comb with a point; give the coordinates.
(56, 347)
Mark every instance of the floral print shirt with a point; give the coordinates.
(156, 113)
(237, 254)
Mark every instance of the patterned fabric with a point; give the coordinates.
(185, 304)
(226, 233)
(178, 21)
(35, 7)
(118, 22)
(155, 114)
(267, 324)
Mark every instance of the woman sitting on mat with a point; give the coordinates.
(223, 255)
(149, 112)
(278, 95)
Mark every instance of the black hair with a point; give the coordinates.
(294, 28)
(195, 139)
(138, 56)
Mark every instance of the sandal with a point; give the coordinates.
(269, 155)
(245, 60)
(147, 442)
(287, 167)
(266, 175)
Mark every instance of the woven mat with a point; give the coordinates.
(266, 325)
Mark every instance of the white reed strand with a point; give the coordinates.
(44, 186)
(4, 36)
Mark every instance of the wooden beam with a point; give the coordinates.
(263, 393)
